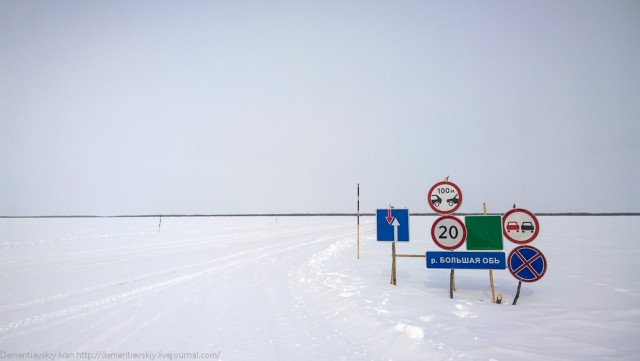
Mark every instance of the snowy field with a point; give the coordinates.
(290, 288)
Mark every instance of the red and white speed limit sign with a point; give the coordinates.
(448, 232)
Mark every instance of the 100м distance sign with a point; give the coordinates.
(445, 197)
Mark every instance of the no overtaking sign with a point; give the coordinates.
(520, 226)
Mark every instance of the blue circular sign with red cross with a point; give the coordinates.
(527, 263)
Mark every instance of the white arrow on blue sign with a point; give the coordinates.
(466, 260)
(392, 224)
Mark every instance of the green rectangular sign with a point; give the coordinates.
(484, 233)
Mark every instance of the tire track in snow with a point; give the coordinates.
(85, 258)
(235, 260)
(85, 307)
(169, 248)
(77, 292)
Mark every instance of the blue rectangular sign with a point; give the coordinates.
(466, 260)
(392, 224)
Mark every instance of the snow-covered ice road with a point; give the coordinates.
(206, 285)
(239, 288)
(290, 288)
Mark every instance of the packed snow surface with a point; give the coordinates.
(291, 288)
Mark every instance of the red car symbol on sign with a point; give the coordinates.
(513, 226)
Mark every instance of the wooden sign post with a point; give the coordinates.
(393, 263)
(493, 292)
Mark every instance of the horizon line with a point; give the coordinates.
(329, 214)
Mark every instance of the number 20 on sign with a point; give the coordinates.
(448, 232)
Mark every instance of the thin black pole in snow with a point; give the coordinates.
(358, 224)
(515, 300)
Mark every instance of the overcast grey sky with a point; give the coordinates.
(148, 107)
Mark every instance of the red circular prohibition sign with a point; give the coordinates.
(505, 230)
(456, 201)
(457, 244)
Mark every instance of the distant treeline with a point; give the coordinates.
(318, 215)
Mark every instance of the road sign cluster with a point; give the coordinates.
(450, 233)
(483, 233)
(483, 236)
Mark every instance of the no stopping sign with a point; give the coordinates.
(527, 263)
